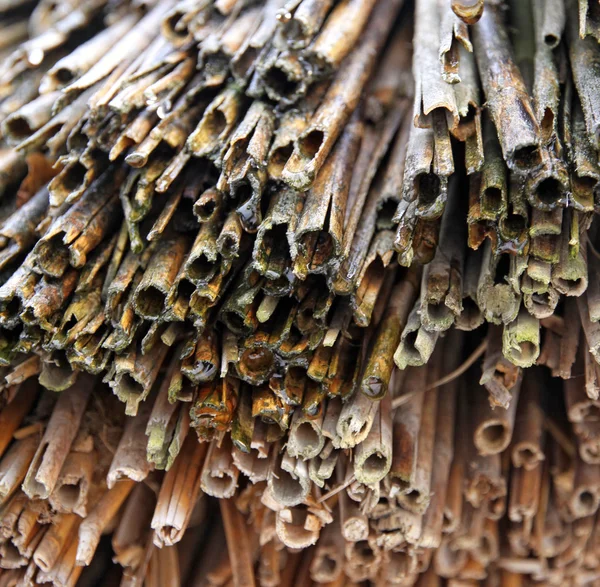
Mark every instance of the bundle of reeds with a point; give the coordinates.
(329, 267)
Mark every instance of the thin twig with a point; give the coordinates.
(478, 352)
(592, 247)
(559, 436)
(337, 489)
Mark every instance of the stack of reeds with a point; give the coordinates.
(329, 267)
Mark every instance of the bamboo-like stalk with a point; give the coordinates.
(471, 316)
(581, 51)
(158, 278)
(134, 375)
(12, 415)
(485, 487)
(74, 483)
(512, 113)
(416, 343)
(340, 32)
(494, 187)
(319, 235)
(378, 369)
(238, 545)
(355, 525)
(521, 339)
(493, 427)
(441, 289)
(453, 34)
(60, 432)
(130, 460)
(524, 494)
(355, 420)
(175, 505)
(216, 124)
(18, 230)
(417, 495)
(433, 519)
(393, 77)
(587, 440)
(300, 526)
(161, 420)
(362, 560)
(306, 438)
(496, 296)
(585, 178)
(14, 465)
(131, 535)
(288, 480)
(219, 475)
(52, 545)
(585, 498)
(94, 524)
(373, 456)
(369, 200)
(316, 141)
(327, 563)
(433, 95)
(123, 51)
(527, 443)
(499, 375)
(73, 235)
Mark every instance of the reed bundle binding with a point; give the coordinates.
(331, 265)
